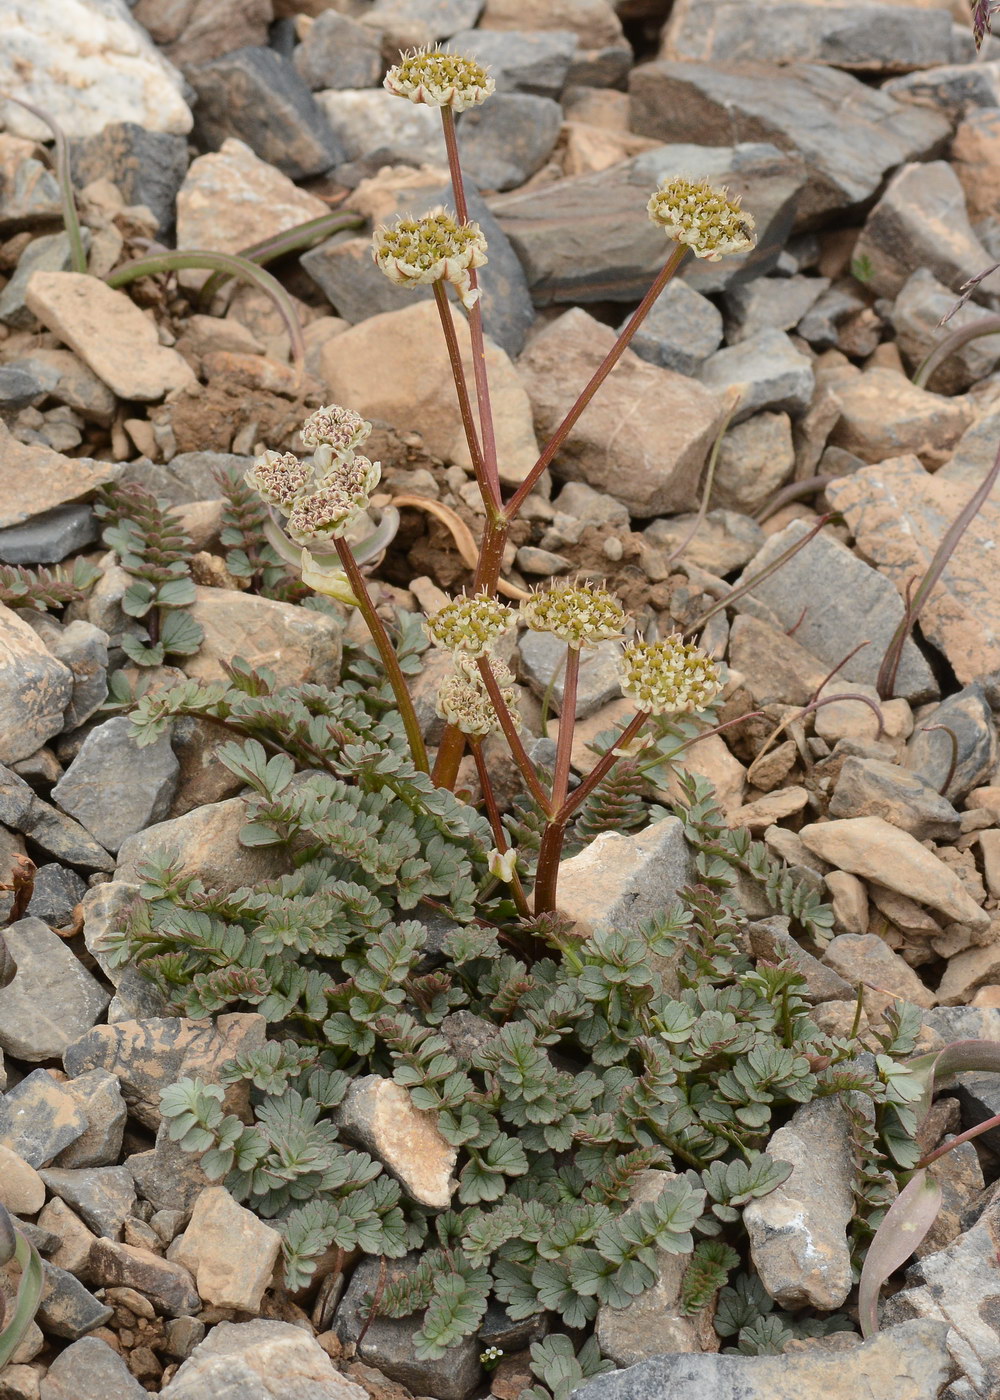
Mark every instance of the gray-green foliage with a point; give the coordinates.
(664, 1046)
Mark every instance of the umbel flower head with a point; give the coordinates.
(668, 677)
(340, 430)
(464, 701)
(280, 478)
(470, 626)
(439, 79)
(434, 248)
(705, 218)
(579, 614)
(340, 500)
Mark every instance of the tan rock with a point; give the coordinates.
(710, 758)
(585, 731)
(585, 149)
(775, 667)
(168, 1286)
(33, 478)
(898, 514)
(206, 842)
(231, 199)
(865, 958)
(989, 844)
(394, 368)
(35, 689)
(296, 643)
(380, 1115)
(771, 808)
(975, 159)
(76, 1239)
(109, 333)
(903, 913)
(872, 848)
(853, 719)
(619, 880)
(22, 1190)
(756, 458)
(644, 438)
(231, 1253)
(966, 972)
(884, 415)
(984, 799)
(594, 22)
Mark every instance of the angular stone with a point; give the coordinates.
(104, 1197)
(190, 476)
(645, 437)
(388, 1343)
(869, 787)
(366, 123)
(39, 1117)
(90, 1370)
(168, 1177)
(337, 52)
(960, 1177)
(205, 841)
(22, 1190)
(957, 1288)
(379, 1115)
(681, 330)
(298, 644)
(519, 60)
(770, 303)
(63, 377)
(66, 1307)
(589, 238)
(724, 541)
(920, 221)
(876, 850)
(543, 657)
(147, 167)
(35, 689)
(771, 942)
(865, 958)
(861, 38)
(60, 836)
(884, 415)
(504, 142)
(951, 88)
(411, 23)
(619, 880)
(193, 31)
(845, 602)
(50, 253)
(343, 267)
(115, 789)
(765, 370)
(917, 314)
(795, 107)
(394, 368)
(260, 1361)
(48, 538)
(909, 1360)
(772, 807)
(798, 1232)
(99, 1095)
(20, 1381)
(33, 478)
(84, 649)
(109, 333)
(898, 514)
(970, 761)
(86, 63)
(256, 95)
(973, 159)
(53, 999)
(229, 1251)
(210, 215)
(776, 668)
(169, 1287)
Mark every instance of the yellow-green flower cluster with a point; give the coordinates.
(579, 614)
(470, 626)
(323, 499)
(668, 677)
(464, 701)
(434, 248)
(439, 79)
(707, 219)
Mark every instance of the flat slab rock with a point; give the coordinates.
(260, 1360)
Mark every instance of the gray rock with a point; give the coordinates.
(929, 751)
(99, 1094)
(188, 477)
(770, 303)
(978, 1095)
(825, 322)
(372, 131)
(168, 1286)
(680, 332)
(104, 1197)
(39, 1118)
(870, 787)
(506, 140)
(183, 1334)
(260, 1360)
(337, 52)
(53, 999)
(136, 998)
(521, 60)
(766, 369)
(49, 537)
(18, 388)
(756, 458)
(35, 689)
(255, 95)
(63, 377)
(798, 1233)
(56, 894)
(606, 67)
(920, 221)
(724, 541)
(543, 657)
(84, 649)
(770, 941)
(205, 842)
(589, 506)
(50, 253)
(917, 313)
(66, 1307)
(148, 167)
(862, 38)
(958, 1287)
(619, 880)
(115, 788)
(168, 1177)
(60, 836)
(16, 797)
(912, 1359)
(343, 269)
(952, 89)
(90, 1370)
(388, 1342)
(845, 602)
(796, 108)
(589, 238)
(29, 198)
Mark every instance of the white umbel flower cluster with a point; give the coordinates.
(470, 627)
(581, 614)
(434, 248)
(706, 219)
(464, 701)
(439, 79)
(668, 677)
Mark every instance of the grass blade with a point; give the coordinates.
(906, 1222)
